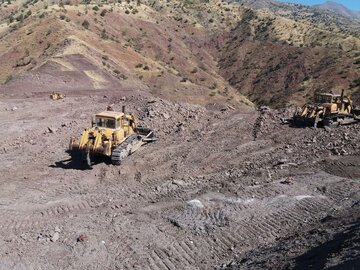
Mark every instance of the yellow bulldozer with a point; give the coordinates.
(329, 110)
(57, 96)
(113, 134)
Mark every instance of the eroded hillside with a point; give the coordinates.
(198, 51)
(276, 61)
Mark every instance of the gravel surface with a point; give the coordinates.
(223, 188)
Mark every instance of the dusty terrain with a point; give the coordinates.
(228, 185)
(219, 186)
(190, 51)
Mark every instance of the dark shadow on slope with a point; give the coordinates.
(345, 243)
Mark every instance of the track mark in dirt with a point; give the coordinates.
(14, 195)
(348, 167)
(66, 208)
(239, 233)
(184, 257)
(15, 219)
(161, 260)
(198, 218)
(10, 220)
(342, 189)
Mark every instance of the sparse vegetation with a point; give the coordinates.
(213, 86)
(85, 24)
(20, 18)
(356, 82)
(103, 12)
(10, 18)
(104, 35)
(194, 70)
(8, 79)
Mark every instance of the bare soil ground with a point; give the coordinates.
(222, 188)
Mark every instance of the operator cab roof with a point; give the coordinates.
(110, 114)
(328, 94)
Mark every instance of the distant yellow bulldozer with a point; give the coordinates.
(329, 110)
(113, 134)
(56, 95)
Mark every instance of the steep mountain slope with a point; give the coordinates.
(194, 51)
(320, 17)
(153, 48)
(340, 9)
(277, 61)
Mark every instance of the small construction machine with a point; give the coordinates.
(113, 134)
(57, 96)
(329, 110)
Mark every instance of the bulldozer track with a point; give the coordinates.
(122, 151)
(10, 220)
(201, 217)
(64, 209)
(349, 169)
(14, 220)
(260, 192)
(342, 190)
(257, 125)
(18, 193)
(188, 253)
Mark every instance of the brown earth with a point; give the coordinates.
(218, 184)
(196, 51)
(261, 65)
(226, 186)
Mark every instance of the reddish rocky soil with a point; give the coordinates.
(223, 188)
(261, 67)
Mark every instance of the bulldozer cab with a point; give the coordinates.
(325, 98)
(113, 120)
(103, 122)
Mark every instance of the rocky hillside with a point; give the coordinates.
(161, 48)
(320, 17)
(276, 61)
(340, 9)
(195, 51)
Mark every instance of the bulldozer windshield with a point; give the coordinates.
(105, 122)
(324, 99)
